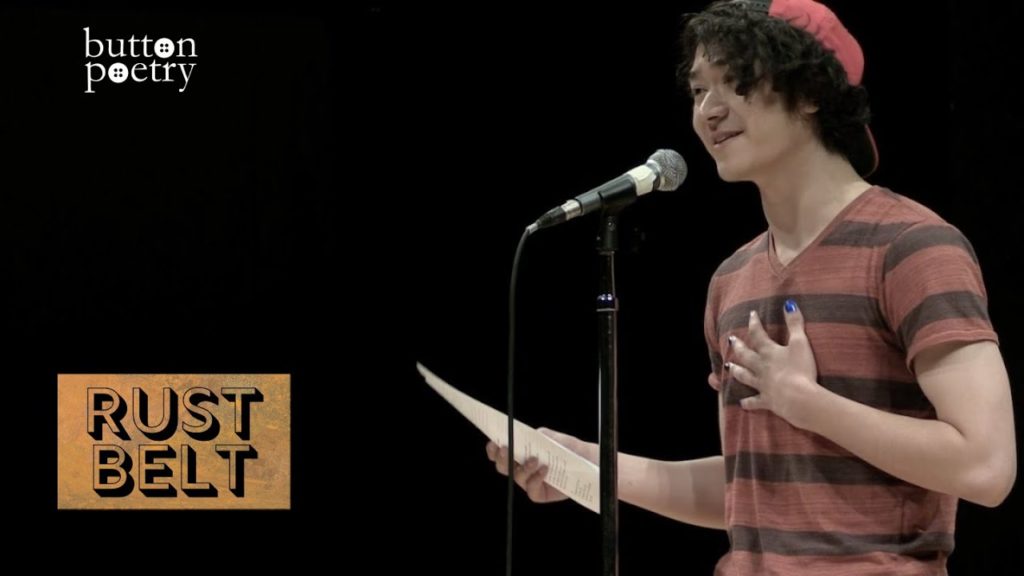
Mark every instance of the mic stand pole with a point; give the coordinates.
(607, 313)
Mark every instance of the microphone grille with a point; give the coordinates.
(671, 168)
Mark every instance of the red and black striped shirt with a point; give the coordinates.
(886, 279)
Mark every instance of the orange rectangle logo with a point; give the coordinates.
(173, 441)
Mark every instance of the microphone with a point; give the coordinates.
(664, 170)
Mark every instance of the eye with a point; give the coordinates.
(696, 91)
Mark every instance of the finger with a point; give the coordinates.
(742, 375)
(570, 442)
(753, 403)
(501, 461)
(556, 436)
(500, 467)
(794, 320)
(524, 472)
(743, 354)
(535, 484)
(757, 338)
(492, 451)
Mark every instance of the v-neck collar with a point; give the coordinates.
(780, 269)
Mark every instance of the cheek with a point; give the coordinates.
(699, 127)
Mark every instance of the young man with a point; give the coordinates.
(861, 388)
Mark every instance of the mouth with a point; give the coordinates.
(724, 137)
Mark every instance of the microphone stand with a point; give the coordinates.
(607, 313)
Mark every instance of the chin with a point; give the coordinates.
(728, 173)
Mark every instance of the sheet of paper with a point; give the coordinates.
(570, 473)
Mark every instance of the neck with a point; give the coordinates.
(801, 198)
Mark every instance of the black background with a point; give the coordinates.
(338, 194)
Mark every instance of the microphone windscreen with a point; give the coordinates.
(672, 168)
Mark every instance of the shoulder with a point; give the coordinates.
(887, 214)
(921, 229)
(900, 227)
(932, 286)
(738, 259)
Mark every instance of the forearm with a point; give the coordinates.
(929, 453)
(691, 491)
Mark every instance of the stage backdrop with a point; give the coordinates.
(335, 194)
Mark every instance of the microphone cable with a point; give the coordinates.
(511, 387)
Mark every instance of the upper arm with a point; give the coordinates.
(968, 385)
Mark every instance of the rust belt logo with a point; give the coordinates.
(173, 441)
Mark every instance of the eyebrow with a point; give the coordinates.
(701, 67)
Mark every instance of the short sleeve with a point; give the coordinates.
(933, 291)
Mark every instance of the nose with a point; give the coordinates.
(710, 107)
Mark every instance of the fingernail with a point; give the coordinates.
(732, 340)
(752, 312)
(790, 306)
(728, 365)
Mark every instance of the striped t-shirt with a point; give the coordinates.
(886, 279)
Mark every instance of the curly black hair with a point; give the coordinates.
(755, 48)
